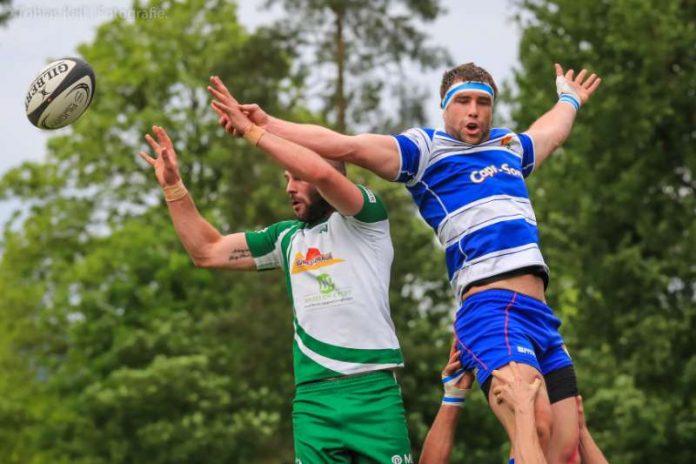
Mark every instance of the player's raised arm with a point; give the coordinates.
(553, 128)
(301, 162)
(438, 444)
(204, 244)
(377, 153)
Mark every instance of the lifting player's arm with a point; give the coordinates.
(438, 444)
(589, 451)
(377, 153)
(204, 244)
(553, 128)
(301, 162)
(520, 397)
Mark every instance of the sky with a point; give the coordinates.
(44, 30)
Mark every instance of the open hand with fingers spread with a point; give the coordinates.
(514, 391)
(165, 165)
(581, 86)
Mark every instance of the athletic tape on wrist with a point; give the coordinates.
(566, 94)
(174, 192)
(454, 396)
(253, 134)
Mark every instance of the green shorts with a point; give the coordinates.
(356, 419)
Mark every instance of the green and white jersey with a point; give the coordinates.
(338, 276)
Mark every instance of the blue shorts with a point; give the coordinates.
(495, 327)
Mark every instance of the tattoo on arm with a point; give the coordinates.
(240, 253)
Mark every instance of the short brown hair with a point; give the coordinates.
(466, 72)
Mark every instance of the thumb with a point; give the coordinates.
(536, 384)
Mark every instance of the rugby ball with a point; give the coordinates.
(60, 93)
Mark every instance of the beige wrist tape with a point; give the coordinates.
(254, 134)
(175, 192)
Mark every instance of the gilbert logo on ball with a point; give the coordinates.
(60, 93)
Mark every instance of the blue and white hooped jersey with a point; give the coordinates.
(476, 200)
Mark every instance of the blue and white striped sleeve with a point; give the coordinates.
(528, 156)
(414, 151)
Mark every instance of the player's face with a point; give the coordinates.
(469, 116)
(307, 204)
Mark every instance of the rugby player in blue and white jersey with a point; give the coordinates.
(467, 180)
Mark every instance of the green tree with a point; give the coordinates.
(114, 347)
(4, 11)
(355, 51)
(616, 213)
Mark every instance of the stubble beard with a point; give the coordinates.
(316, 208)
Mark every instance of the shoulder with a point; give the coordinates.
(274, 231)
(424, 134)
(499, 132)
(370, 220)
(427, 131)
(278, 228)
(517, 143)
(373, 209)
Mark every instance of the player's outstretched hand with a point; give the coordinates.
(582, 85)
(235, 122)
(165, 165)
(253, 111)
(222, 95)
(256, 114)
(455, 380)
(513, 390)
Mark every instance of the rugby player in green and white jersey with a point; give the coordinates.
(336, 257)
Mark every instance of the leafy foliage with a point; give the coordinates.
(616, 209)
(124, 351)
(355, 52)
(5, 11)
(114, 347)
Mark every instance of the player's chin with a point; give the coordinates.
(474, 137)
(300, 211)
(472, 140)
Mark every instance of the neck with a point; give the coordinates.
(320, 218)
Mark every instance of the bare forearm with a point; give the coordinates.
(589, 451)
(526, 447)
(327, 143)
(194, 232)
(551, 130)
(440, 439)
(299, 161)
(378, 153)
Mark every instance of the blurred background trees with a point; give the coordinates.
(115, 349)
(617, 212)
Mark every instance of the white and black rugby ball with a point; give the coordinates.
(60, 93)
